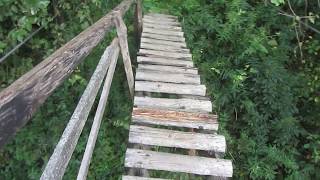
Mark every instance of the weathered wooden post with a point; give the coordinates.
(123, 42)
(138, 21)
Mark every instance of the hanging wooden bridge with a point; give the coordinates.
(172, 128)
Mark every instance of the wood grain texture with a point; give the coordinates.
(156, 76)
(159, 26)
(170, 88)
(161, 47)
(167, 23)
(166, 69)
(164, 61)
(163, 37)
(138, 20)
(21, 99)
(165, 54)
(162, 15)
(139, 178)
(178, 139)
(163, 42)
(85, 163)
(157, 18)
(163, 32)
(59, 160)
(178, 163)
(188, 105)
(122, 35)
(175, 118)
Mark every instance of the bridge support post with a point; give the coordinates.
(123, 42)
(138, 21)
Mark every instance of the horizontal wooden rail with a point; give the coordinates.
(21, 99)
(67, 143)
(83, 171)
(59, 160)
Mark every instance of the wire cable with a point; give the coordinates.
(20, 44)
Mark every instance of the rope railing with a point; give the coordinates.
(20, 100)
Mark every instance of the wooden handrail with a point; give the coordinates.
(21, 99)
(61, 156)
(84, 167)
(62, 153)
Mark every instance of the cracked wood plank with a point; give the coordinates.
(163, 32)
(188, 105)
(163, 27)
(177, 139)
(136, 158)
(167, 69)
(171, 78)
(170, 88)
(163, 37)
(167, 23)
(175, 118)
(157, 53)
(163, 42)
(161, 47)
(164, 61)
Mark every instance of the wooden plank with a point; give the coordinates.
(170, 88)
(160, 18)
(21, 99)
(58, 161)
(188, 105)
(157, 53)
(162, 32)
(164, 61)
(176, 24)
(143, 75)
(167, 69)
(139, 178)
(159, 26)
(178, 139)
(136, 158)
(163, 42)
(163, 37)
(175, 118)
(85, 163)
(161, 47)
(122, 35)
(162, 15)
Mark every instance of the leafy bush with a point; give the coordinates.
(261, 69)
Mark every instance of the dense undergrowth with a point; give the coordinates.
(261, 69)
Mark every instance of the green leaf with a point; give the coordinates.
(277, 2)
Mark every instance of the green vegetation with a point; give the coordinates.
(259, 62)
(262, 69)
